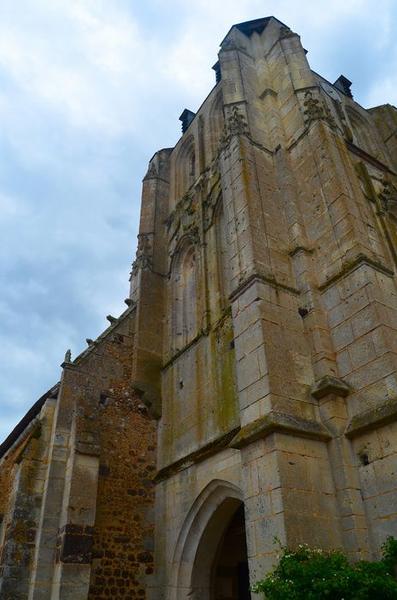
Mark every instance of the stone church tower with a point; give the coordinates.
(250, 388)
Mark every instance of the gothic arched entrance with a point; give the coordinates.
(210, 561)
(230, 577)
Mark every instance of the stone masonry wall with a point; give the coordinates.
(112, 425)
(76, 491)
(6, 481)
(261, 333)
(305, 179)
(122, 554)
(21, 487)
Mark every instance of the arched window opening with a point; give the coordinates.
(185, 168)
(363, 134)
(185, 299)
(217, 123)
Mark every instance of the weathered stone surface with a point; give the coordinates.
(330, 385)
(281, 422)
(382, 414)
(255, 365)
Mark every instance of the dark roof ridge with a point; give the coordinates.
(26, 419)
(255, 25)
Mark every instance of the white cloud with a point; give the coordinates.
(12, 208)
(83, 67)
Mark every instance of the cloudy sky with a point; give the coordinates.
(89, 89)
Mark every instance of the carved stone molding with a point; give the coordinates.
(317, 110)
(235, 124)
(330, 385)
(144, 254)
(388, 197)
(184, 221)
(145, 246)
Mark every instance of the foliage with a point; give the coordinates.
(310, 574)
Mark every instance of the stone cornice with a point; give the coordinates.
(330, 385)
(355, 263)
(256, 277)
(372, 418)
(367, 157)
(282, 423)
(196, 456)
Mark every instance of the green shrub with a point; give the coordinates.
(312, 574)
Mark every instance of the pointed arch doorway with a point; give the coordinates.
(230, 576)
(211, 556)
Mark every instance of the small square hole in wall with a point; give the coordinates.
(181, 384)
(364, 458)
(104, 399)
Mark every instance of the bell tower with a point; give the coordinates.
(272, 325)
